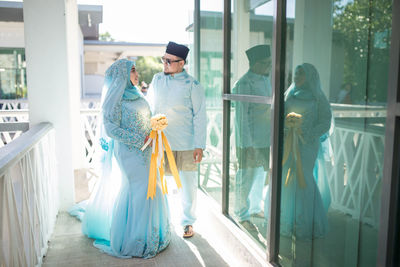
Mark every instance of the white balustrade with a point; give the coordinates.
(89, 124)
(28, 198)
(354, 178)
(12, 111)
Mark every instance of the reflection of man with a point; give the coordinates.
(181, 98)
(252, 126)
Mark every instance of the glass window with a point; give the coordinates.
(251, 90)
(211, 68)
(337, 59)
(12, 73)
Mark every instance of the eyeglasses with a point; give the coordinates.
(169, 61)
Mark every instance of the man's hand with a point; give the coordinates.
(198, 155)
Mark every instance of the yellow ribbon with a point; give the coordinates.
(160, 143)
(291, 146)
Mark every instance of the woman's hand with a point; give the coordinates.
(147, 139)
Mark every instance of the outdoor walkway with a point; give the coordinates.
(212, 245)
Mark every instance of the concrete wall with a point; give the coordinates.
(12, 34)
(93, 85)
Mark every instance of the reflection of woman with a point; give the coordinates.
(302, 210)
(139, 226)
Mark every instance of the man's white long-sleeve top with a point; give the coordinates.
(181, 98)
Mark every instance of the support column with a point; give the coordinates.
(54, 82)
(241, 38)
(313, 37)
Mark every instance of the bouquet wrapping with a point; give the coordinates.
(294, 136)
(160, 144)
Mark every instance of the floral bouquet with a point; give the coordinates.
(294, 120)
(158, 122)
(160, 144)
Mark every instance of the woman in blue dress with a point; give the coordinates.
(125, 224)
(302, 210)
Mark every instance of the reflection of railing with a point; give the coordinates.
(358, 147)
(355, 178)
(358, 111)
(28, 187)
(354, 175)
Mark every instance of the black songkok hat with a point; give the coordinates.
(258, 52)
(177, 50)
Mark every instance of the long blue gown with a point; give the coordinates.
(302, 210)
(140, 227)
(126, 225)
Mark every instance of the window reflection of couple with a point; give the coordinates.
(123, 221)
(307, 121)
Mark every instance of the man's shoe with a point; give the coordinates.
(249, 226)
(258, 215)
(188, 231)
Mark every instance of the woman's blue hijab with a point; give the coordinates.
(311, 87)
(117, 83)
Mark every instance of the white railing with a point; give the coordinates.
(13, 104)
(210, 170)
(90, 109)
(89, 125)
(28, 198)
(354, 178)
(90, 103)
(13, 119)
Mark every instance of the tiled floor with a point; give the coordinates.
(211, 246)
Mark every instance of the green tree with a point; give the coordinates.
(147, 67)
(364, 28)
(106, 37)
